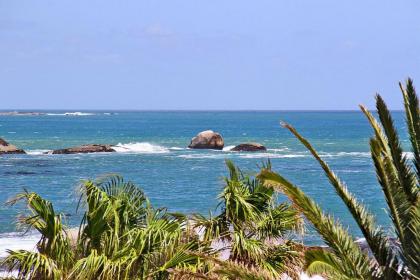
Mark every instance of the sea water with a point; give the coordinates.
(152, 152)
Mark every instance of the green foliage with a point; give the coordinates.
(252, 225)
(53, 253)
(120, 237)
(399, 180)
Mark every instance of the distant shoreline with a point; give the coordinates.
(21, 113)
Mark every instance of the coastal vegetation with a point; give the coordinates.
(250, 236)
(392, 257)
(121, 236)
(252, 228)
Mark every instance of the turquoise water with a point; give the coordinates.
(181, 179)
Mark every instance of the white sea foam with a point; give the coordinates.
(37, 152)
(17, 241)
(71, 114)
(78, 114)
(177, 148)
(228, 148)
(278, 150)
(141, 148)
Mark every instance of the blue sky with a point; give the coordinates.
(192, 54)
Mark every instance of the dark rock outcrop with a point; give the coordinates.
(84, 149)
(249, 147)
(207, 140)
(6, 148)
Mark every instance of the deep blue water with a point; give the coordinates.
(182, 179)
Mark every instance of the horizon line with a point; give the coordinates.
(190, 110)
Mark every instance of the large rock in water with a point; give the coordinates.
(249, 147)
(90, 148)
(207, 140)
(6, 148)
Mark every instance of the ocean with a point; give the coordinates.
(153, 154)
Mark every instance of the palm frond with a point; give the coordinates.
(183, 257)
(375, 237)
(277, 222)
(355, 263)
(386, 173)
(399, 184)
(411, 104)
(54, 241)
(32, 265)
(99, 266)
(211, 228)
(235, 270)
(406, 178)
(320, 261)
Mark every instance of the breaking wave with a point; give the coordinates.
(141, 148)
(228, 148)
(37, 152)
(70, 114)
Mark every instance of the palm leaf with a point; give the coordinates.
(399, 183)
(406, 178)
(54, 242)
(32, 265)
(320, 261)
(375, 237)
(411, 104)
(354, 262)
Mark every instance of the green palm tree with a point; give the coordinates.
(120, 237)
(399, 180)
(53, 256)
(252, 228)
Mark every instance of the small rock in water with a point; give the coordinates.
(90, 148)
(249, 147)
(6, 148)
(207, 140)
